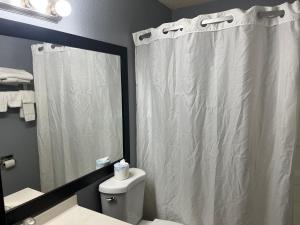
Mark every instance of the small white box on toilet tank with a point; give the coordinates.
(124, 199)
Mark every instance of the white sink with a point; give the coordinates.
(68, 212)
(81, 216)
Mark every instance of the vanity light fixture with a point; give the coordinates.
(50, 10)
(63, 8)
(38, 5)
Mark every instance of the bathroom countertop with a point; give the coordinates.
(78, 215)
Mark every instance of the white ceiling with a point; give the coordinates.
(175, 4)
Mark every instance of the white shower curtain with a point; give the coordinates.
(217, 117)
(79, 111)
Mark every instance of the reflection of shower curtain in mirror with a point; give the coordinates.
(217, 112)
(79, 113)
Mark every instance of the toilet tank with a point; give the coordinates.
(124, 200)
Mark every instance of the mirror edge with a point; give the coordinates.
(52, 198)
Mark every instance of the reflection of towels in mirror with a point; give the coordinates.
(27, 110)
(13, 81)
(13, 75)
(14, 99)
(19, 99)
(3, 102)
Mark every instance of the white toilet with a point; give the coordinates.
(124, 199)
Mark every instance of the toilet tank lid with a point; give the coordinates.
(114, 186)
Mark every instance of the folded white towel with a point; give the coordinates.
(27, 110)
(14, 99)
(13, 73)
(19, 99)
(14, 81)
(27, 96)
(164, 222)
(3, 102)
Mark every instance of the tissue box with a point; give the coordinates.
(121, 170)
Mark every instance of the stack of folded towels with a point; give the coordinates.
(19, 99)
(23, 99)
(13, 76)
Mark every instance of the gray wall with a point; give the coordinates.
(111, 21)
(17, 137)
(221, 5)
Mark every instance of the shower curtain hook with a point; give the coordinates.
(144, 36)
(222, 19)
(172, 29)
(271, 14)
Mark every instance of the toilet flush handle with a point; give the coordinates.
(111, 199)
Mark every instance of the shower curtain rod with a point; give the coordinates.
(262, 14)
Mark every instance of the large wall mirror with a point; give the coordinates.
(63, 111)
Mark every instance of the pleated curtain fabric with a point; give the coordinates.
(218, 117)
(79, 111)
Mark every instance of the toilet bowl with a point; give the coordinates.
(124, 200)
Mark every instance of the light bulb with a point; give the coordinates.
(63, 8)
(39, 5)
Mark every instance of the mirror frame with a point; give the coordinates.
(54, 197)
